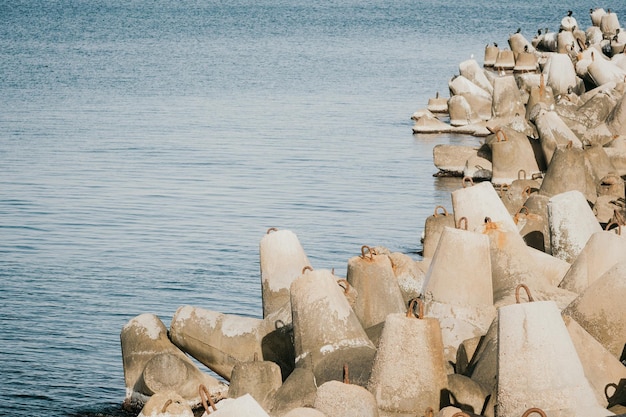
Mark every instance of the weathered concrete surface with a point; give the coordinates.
(408, 373)
(572, 223)
(153, 364)
(282, 259)
(260, 379)
(538, 364)
(601, 252)
(601, 309)
(299, 390)
(379, 293)
(327, 332)
(244, 406)
(336, 399)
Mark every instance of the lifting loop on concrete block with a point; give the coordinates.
(505, 139)
(536, 176)
(445, 212)
(527, 191)
(519, 212)
(369, 250)
(346, 374)
(345, 286)
(206, 396)
(306, 268)
(429, 412)
(465, 180)
(619, 227)
(410, 312)
(462, 220)
(569, 145)
(271, 229)
(530, 297)
(519, 176)
(534, 410)
(167, 404)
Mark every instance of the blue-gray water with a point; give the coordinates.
(147, 145)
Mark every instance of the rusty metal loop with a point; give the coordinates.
(462, 220)
(530, 297)
(519, 212)
(536, 175)
(167, 404)
(460, 414)
(204, 397)
(465, 179)
(411, 310)
(619, 227)
(527, 191)
(445, 212)
(569, 145)
(606, 390)
(519, 172)
(346, 288)
(534, 410)
(503, 134)
(370, 251)
(429, 412)
(346, 374)
(306, 268)
(271, 229)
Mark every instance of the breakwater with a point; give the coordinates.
(467, 299)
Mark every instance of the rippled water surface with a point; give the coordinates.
(146, 147)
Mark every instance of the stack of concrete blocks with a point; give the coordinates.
(516, 308)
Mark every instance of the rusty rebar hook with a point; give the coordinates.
(271, 229)
(530, 297)
(466, 179)
(306, 268)
(347, 285)
(167, 404)
(369, 250)
(534, 410)
(462, 220)
(205, 396)
(445, 212)
(411, 310)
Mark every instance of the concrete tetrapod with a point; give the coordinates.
(261, 379)
(342, 399)
(512, 264)
(153, 364)
(478, 201)
(507, 100)
(511, 153)
(379, 293)
(538, 364)
(553, 132)
(601, 368)
(166, 404)
(458, 288)
(298, 390)
(601, 309)
(408, 373)
(244, 406)
(433, 227)
(567, 172)
(282, 259)
(572, 223)
(221, 341)
(327, 332)
(602, 250)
